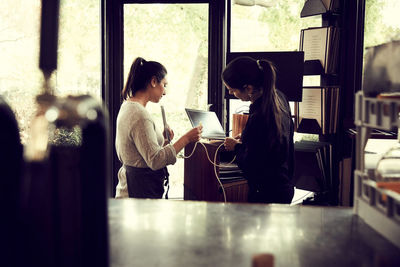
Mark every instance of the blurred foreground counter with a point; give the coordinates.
(188, 233)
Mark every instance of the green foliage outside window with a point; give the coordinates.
(381, 22)
(67, 137)
(274, 28)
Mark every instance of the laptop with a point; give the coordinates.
(212, 128)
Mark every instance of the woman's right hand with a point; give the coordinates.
(194, 134)
(191, 136)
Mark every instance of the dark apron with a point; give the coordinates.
(146, 183)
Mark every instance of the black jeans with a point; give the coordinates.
(146, 183)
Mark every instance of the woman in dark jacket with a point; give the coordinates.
(264, 151)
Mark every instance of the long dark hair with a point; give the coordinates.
(140, 76)
(261, 74)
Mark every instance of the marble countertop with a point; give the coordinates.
(188, 233)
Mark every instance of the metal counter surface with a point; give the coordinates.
(188, 233)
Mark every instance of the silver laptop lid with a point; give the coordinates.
(212, 128)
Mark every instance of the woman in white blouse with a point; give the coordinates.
(142, 149)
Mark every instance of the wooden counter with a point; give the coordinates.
(200, 182)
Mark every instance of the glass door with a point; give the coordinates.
(176, 35)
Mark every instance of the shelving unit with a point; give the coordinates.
(316, 7)
(382, 215)
(330, 17)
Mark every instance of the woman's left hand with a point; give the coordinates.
(230, 143)
(170, 132)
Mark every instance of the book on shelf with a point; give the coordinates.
(321, 44)
(313, 169)
(316, 7)
(331, 5)
(321, 106)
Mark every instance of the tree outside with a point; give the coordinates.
(381, 22)
(274, 28)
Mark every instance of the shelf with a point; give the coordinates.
(313, 67)
(376, 113)
(378, 207)
(317, 7)
(323, 48)
(382, 215)
(309, 126)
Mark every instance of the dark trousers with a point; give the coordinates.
(283, 196)
(146, 183)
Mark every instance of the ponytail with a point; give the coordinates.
(272, 103)
(261, 74)
(140, 76)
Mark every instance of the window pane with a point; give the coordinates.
(176, 35)
(79, 52)
(268, 28)
(20, 77)
(381, 26)
(78, 55)
(381, 22)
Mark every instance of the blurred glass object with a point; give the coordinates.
(64, 200)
